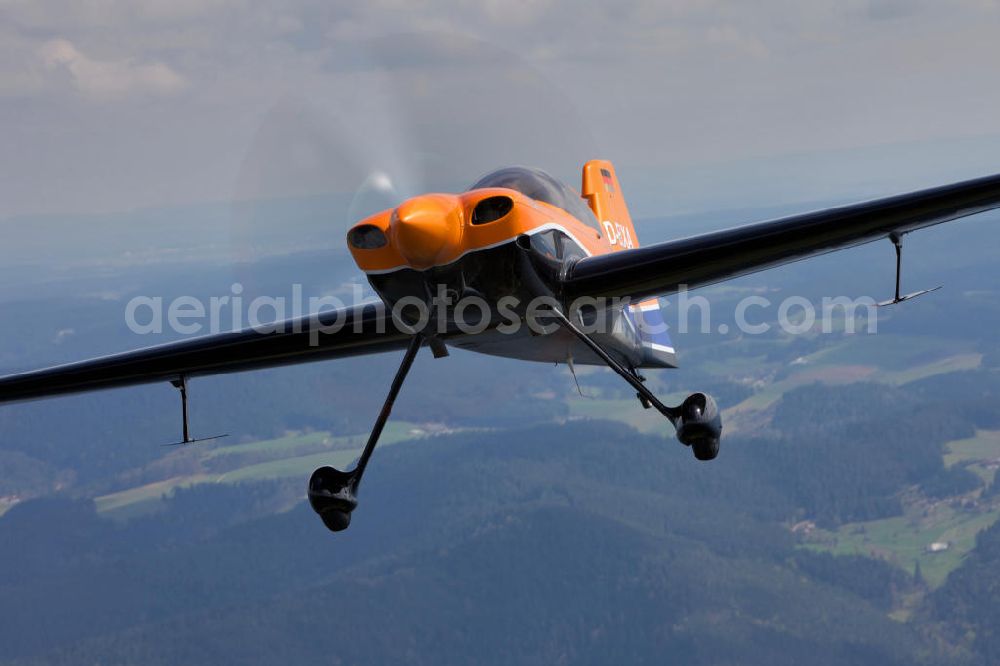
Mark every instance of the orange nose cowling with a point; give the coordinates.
(426, 228)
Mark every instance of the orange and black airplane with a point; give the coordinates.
(522, 248)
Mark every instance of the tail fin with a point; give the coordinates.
(601, 190)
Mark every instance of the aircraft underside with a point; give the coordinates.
(493, 278)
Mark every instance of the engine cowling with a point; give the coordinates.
(700, 425)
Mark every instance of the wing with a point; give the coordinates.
(701, 260)
(360, 329)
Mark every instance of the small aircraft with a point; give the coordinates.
(525, 248)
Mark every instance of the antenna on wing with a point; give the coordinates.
(897, 241)
(181, 384)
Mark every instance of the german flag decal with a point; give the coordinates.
(606, 175)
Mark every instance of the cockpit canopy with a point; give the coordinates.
(540, 186)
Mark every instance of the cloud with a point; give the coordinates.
(62, 335)
(462, 86)
(108, 78)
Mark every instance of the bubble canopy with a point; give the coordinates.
(540, 186)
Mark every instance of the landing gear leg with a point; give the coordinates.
(696, 420)
(644, 394)
(333, 494)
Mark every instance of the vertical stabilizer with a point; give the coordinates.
(604, 195)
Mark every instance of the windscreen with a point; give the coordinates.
(540, 186)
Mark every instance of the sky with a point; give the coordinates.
(108, 105)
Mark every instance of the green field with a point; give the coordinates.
(889, 352)
(395, 431)
(144, 499)
(626, 410)
(980, 453)
(809, 374)
(338, 451)
(301, 466)
(281, 445)
(967, 361)
(729, 366)
(985, 445)
(904, 540)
